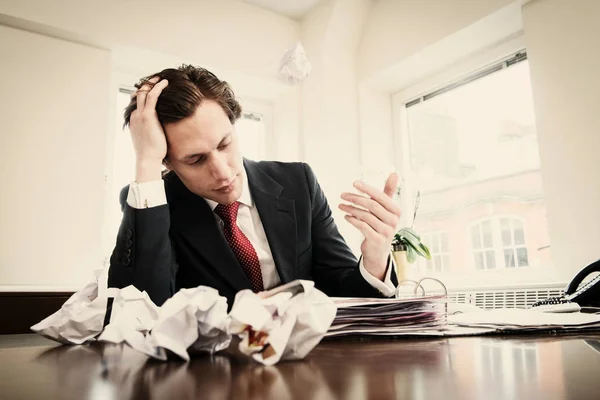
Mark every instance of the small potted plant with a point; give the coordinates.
(407, 245)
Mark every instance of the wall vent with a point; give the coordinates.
(503, 298)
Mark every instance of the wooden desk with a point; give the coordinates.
(542, 367)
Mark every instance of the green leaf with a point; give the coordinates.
(415, 244)
(398, 238)
(425, 250)
(409, 231)
(411, 256)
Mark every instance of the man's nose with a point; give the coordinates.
(220, 169)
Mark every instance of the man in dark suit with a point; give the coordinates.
(219, 220)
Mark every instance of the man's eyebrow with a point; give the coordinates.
(194, 155)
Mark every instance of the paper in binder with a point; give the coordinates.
(376, 317)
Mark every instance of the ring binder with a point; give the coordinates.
(418, 284)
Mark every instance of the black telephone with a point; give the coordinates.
(588, 295)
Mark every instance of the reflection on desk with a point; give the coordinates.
(454, 368)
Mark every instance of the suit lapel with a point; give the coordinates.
(199, 228)
(278, 216)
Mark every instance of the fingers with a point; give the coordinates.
(381, 197)
(153, 95)
(371, 220)
(142, 92)
(362, 226)
(371, 205)
(391, 184)
(140, 96)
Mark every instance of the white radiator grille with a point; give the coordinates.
(506, 298)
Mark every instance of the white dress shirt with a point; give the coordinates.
(152, 194)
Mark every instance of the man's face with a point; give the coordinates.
(203, 151)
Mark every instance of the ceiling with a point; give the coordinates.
(295, 9)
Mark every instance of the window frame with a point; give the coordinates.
(423, 264)
(457, 72)
(497, 243)
(423, 84)
(483, 249)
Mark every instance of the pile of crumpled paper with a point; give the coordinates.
(285, 323)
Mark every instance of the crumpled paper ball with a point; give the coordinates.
(294, 66)
(284, 323)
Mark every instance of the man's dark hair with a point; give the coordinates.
(188, 87)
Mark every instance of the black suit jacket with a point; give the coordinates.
(180, 244)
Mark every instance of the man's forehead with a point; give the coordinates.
(202, 132)
(181, 146)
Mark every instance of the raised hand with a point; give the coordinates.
(376, 217)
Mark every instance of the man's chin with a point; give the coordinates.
(228, 198)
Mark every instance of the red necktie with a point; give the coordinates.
(240, 245)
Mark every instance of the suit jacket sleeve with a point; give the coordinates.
(143, 255)
(335, 268)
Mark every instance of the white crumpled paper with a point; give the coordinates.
(294, 66)
(195, 318)
(284, 323)
(79, 320)
(132, 317)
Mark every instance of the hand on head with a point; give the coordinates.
(147, 134)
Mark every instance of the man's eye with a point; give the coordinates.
(197, 161)
(223, 146)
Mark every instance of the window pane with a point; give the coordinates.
(444, 239)
(509, 258)
(506, 234)
(479, 260)
(429, 266)
(475, 236)
(435, 243)
(522, 257)
(446, 262)
(519, 236)
(473, 152)
(250, 131)
(486, 230)
(437, 261)
(490, 259)
(426, 240)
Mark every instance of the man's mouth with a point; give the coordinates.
(227, 187)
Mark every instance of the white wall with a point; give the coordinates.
(54, 102)
(287, 125)
(215, 34)
(398, 29)
(330, 121)
(564, 56)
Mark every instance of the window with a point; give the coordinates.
(470, 148)
(483, 246)
(251, 136)
(437, 242)
(499, 242)
(513, 243)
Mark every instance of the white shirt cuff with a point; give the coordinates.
(147, 194)
(386, 287)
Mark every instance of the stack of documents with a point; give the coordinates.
(426, 316)
(389, 317)
(530, 320)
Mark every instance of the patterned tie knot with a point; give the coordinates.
(228, 212)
